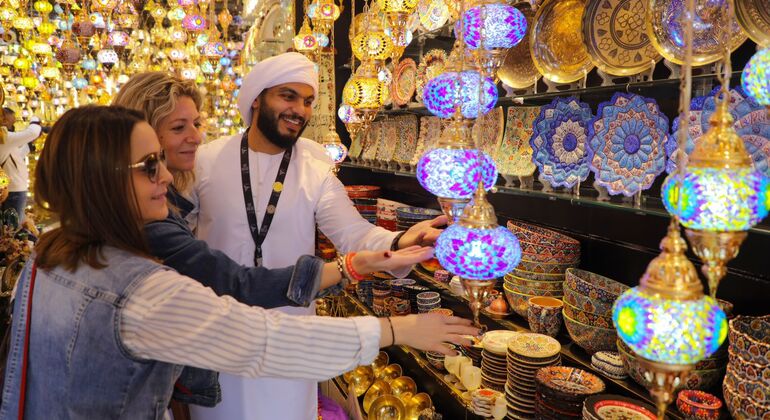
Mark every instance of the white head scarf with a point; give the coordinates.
(289, 67)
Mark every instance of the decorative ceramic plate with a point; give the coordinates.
(404, 81)
(432, 64)
(666, 31)
(614, 33)
(518, 71)
(356, 145)
(626, 141)
(488, 131)
(407, 138)
(496, 341)
(559, 142)
(569, 380)
(693, 132)
(754, 17)
(433, 14)
(514, 157)
(372, 141)
(388, 140)
(556, 43)
(606, 406)
(430, 131)
(536, 346)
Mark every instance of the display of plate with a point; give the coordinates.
(432, 64)
(666, 31)
(430, 130)
(488, 131)
(607, 406)
(407, 138)
(534, 346)
(357, 145)
(433, 14)
(373, 135)
(569, 380)
(388, 140)
(559, 141)
(693, 129)
(557, 46)
(754, 17)
(518, 70)
(615, 36)
(626, 142)
(404, 82)
(514, 157)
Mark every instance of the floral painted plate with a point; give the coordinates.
(488, 131)
(407, 138)
(432, 64)
(433, 14)
(430, 130)
(388, 140)
(514, 157)
(373, 135)
(404, 82)
(559, 142)
(626, 142)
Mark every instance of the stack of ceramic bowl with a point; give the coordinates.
(400, 303)
(707, 374)
(435, 359)
(364, 197)
(474, 352)
(413, 290)
(426, 301)
(588, 317)
(607, 406)
(526, 354)
(494, 371)
(386, 213)
(364, 292)
(561, 391)
(380, 292)
(747, 384)
(545, 255)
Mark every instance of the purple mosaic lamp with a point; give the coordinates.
(475, 94)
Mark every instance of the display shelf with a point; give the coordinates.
(649, 205)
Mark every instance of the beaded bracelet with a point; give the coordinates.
(344, 277)
(354, 276)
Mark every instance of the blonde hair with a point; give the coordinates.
(156, 94)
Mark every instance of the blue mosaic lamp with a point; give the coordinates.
(489, 29)
(755, 78)
(718, 196)
(443, 93)
(478, 250)
(667, 320)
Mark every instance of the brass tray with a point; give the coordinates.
(666, 32)
(614, 34)
(556, 43)
(518, 71)
(754, 17)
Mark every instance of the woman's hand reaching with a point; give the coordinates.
(428, 332)
(365, 262)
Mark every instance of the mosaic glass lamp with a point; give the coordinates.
(365, 92)
(489, 29)
(305, 42)
(478, 250)
(444, 92)
(194, 23)
(756, 77)
(108, 57)
(374, 44)
(397, 13)
(667, 320)
(719, 197)
(336, 151)
(323, 13)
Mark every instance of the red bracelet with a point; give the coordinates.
(354, 275)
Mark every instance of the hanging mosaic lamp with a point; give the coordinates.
(69, 56)
(444, 92)
(323, 13)
(365, 92)
(108, 57)
(478, 250)
(194, 23)
(397, 14)
(756, 77)
(720, 195)
(372, 44)
(489, 29)
(332, 143)
(667, 320)
(304, 41)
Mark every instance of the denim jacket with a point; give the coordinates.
(79, 368)
(172, 241)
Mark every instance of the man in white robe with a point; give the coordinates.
(276, 101)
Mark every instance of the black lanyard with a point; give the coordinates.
(259, 234)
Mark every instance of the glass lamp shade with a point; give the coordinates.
(443, 93)
(194, 23)
(305, 41)
(24, 23)
(365, 92)
(455, 172)
(718, 200)
(373, 45)
(323, 10)
(503, 26)
(348, 114)
(88, 64)
(79, 83)
(397, 6)
(322, 38)
(756, 77)
(478, 253)
(336, 151)
(213, 49)
(679, 332)
(107, 56)
(117, 39)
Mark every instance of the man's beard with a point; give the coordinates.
(267, 123)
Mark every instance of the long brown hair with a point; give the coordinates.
(83, 176)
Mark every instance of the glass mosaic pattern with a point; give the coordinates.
(669, 331)
(756, 77)
(455, 173)
(443, 93)
(478, 254)
(336, 151)
(718, 199)
(503, 26)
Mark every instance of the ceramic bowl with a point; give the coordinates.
(545, 237)
(568, 382)
(586, 304)
(698, 405)
(545, 268)
(547, 258)
(587, 317)
(590, 338)
(536, 284)
(741, 407)
(748, 370)
(595, 286)
(529, 275)
(750, 338)
(616, 407)
(532, 291)
(417, 213)
(362, 191)
(757, 391)
(517, 300)
(695, 379)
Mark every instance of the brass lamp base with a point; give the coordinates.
(477, 292)
(452, 208)
(715, 250)
(664, 378)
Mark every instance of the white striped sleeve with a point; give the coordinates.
(175, 319)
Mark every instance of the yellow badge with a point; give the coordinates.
(278, 187)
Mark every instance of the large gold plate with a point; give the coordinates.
(666, 31)
(754, 17)
(518, 71)
(557, 44)
(615, 36)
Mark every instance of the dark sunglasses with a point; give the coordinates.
(151, 165)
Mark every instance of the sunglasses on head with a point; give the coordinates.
(151, 165)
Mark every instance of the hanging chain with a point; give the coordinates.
(685, 94)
